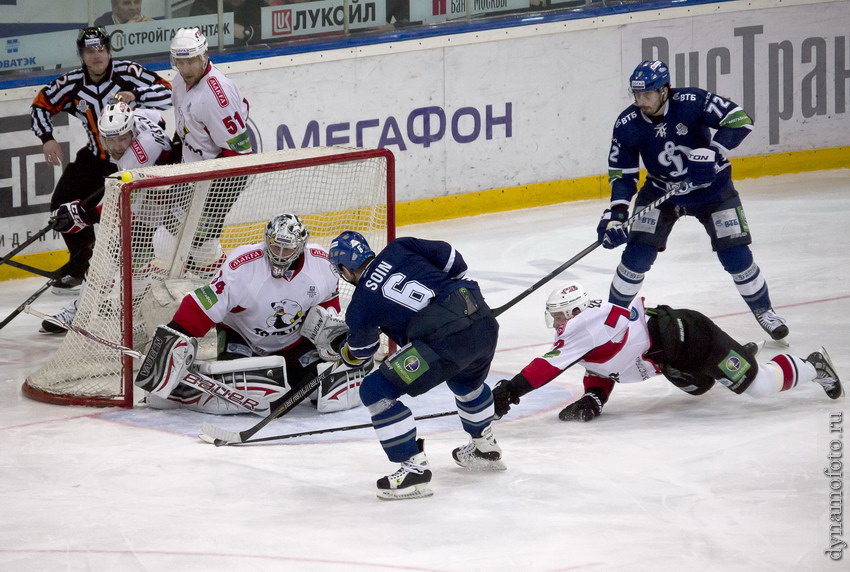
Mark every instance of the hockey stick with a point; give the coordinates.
(31, 269)
(672, 190)
(335, 429)
(194, 379)
(219, 436)
(26, 303)
(28, 241)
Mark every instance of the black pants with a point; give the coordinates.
(82, 178)
(690, 342)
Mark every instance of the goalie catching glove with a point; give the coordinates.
(326, 330)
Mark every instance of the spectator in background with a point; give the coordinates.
(398, 12)
(246, 16)
(123, 12)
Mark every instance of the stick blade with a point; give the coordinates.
(218, 436)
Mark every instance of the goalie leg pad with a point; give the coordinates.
(341, 389)
(261, 378)
(167, 361)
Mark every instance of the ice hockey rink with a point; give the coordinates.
(661, 481)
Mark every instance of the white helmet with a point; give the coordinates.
(284, 232)
(116, 119)
(188, 43)
(566, 298)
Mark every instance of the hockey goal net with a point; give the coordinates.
(165, 230)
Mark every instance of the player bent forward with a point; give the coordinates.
(414, 292)
(630, 345)
(277, 299)
(133, 139)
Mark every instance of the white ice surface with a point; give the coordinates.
(662, 481)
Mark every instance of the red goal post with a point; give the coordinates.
(164, 231)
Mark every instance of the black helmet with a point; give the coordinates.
(91, 37)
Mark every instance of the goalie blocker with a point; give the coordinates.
(170, 361)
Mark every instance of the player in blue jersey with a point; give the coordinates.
(671, 131)
(414, 291)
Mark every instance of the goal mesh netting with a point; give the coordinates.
(167, 230)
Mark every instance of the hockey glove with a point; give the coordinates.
(71, 218)
(507, 392)
(611, 230)
(585, 409)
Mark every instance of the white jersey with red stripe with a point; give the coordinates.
(609, 341)
(266, 311)
(150, 142)
(212, 117)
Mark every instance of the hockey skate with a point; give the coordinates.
(481, 453)
(827, 377)
(67, 286)
(772, 324)
(410, 481)
(66, 315)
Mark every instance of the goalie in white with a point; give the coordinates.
(275, 298)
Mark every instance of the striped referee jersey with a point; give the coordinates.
(76, 94)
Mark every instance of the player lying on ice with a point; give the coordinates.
(275, 305)
(630, 345)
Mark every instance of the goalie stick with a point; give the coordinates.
(672, 189)
(26, 303)
(219, 436)
(334, 429)
(210, 386)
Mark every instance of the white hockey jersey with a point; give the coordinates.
(212, 117)
(150, 142)
(607, 340)
(267, 311)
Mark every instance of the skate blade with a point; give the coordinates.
(414, 492)
(483, 466)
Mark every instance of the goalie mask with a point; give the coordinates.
(567, 298)
(285, 238)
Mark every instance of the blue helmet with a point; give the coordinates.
(650, 75)
(350, 250)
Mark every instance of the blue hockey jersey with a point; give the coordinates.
(401, 280)
(664, 144)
